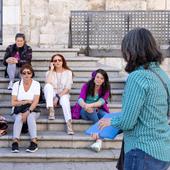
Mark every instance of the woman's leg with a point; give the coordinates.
(65, 104)
(49, 95)
(101, 113)
(18, 123)
(11, 71)
(89, 116)
(32, 126)
(83, 114)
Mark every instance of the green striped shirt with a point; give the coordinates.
(144, 113)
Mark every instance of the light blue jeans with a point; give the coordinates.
(13, 71)
(31, 121)
(95, 116)
(137, 159)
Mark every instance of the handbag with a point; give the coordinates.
(3, 126)
(21, 109)
(42, 97)
(75, 111)
(25, 107)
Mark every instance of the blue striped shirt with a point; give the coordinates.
(144, 113)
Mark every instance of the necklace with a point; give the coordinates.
(59, 83)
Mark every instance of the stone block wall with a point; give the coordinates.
(46, 22)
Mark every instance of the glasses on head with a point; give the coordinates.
(26, 72)
(57, 60)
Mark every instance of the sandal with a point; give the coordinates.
(3, 132)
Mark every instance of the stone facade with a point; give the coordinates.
(46, 22)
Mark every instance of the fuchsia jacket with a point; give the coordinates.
(75, 111)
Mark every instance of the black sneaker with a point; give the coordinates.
(32, 148)
(15, 148)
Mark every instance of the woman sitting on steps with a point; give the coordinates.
(92, 102)
(57, 88)
(25, 98)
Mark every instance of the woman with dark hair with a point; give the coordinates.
(144, 118)
(15, 56)
(57, 88)
(25, 98)
(93, 100)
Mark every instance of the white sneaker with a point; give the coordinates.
(96, 146)
(10, 85)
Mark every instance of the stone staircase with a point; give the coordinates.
(57, 150)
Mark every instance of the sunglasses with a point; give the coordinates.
(26, 72)
(59, 60)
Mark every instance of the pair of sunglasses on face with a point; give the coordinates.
(26, 72)
(57, 60)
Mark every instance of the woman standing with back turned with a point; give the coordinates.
(145, 105)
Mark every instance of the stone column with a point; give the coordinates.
(11, 20)
(25, 19)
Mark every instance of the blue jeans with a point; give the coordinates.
(95, 116)
(137, 159)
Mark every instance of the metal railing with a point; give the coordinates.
(107, 28)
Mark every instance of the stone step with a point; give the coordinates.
(5, 107)
(44, 52)
(116, 82)
(43, 124)
(55, 159)
(56, 139)
(78, 71)
(71, 61)
(5, 95)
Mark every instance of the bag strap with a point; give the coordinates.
(18, 87)
(166, 88)
(12, 110)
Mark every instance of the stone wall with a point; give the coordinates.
(11, 20)
(46, 22)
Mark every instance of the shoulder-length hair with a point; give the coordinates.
(28, 67)
(139, 48)
(105, 86)
(20, 35)
(64, 65)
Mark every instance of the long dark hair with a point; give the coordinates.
(63, 61)
(139, 48)
(105, 86)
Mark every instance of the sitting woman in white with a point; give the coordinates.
(26, 91)
(57, 88)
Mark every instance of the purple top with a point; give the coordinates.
(77, 108)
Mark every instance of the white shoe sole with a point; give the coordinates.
(15, 151)
(31, 151)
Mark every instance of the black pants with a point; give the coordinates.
(120, 162)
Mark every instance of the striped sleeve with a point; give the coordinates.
(133, 101)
